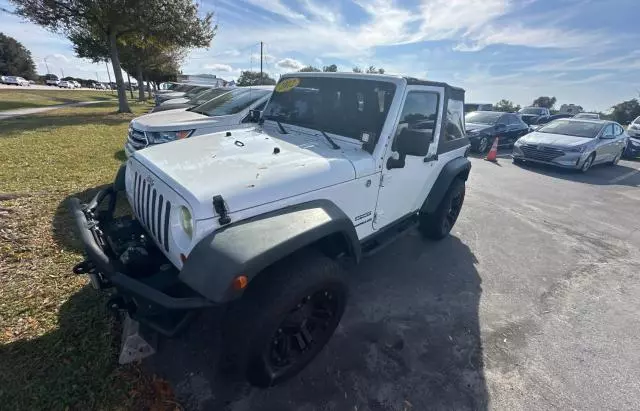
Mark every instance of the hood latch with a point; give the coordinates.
(221, 209)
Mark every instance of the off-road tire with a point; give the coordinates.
(438, 224)
(252, 325)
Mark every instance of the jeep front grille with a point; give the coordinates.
(542, 153)
(137, 139)
(152, 209)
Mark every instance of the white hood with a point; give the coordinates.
(554, 139)
(178, 119)
(248, 168)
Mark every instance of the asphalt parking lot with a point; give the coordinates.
(533, 303)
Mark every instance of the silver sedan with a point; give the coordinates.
(573, 143)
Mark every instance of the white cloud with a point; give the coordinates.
(269, 58)
(219, 67)
(289, 64)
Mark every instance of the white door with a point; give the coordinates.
(402, 190)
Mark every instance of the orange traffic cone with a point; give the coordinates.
(493, 153)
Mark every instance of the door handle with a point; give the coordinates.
(430, 158)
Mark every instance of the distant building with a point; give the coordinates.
(209, 79)
(570, 109)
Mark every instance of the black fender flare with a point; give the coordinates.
(458, 167)
(249, 246)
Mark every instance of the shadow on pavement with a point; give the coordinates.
(601, 174)
(410, 339)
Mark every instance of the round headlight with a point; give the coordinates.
(186, 221)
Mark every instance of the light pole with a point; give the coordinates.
(45, 63)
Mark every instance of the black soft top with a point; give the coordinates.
(453, 92)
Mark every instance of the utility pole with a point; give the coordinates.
(261, 63)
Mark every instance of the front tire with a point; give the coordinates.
(285, 318)
(438, 225)
(588, 163)
(483, 145)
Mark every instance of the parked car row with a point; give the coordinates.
(15, 81)
(224, 109)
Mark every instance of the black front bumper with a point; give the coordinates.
(158, 300)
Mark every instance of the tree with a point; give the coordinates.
(330, 69)
(309, 69)
(373, 70)
(507, 106)
(107, 22)
(15, 59)
(252, 78)
(544, 101)
(370, 70)
(626, 112)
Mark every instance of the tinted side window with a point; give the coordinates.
(608, 130)
(455, 121)
(420, 112)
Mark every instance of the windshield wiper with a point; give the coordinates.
(330, 140)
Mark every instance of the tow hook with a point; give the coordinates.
(85, 267)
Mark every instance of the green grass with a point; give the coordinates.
(58, 345)
(11, 99)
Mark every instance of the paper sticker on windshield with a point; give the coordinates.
(287, 85)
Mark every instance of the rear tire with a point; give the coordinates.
(438, 225)
(285, 318)
(616, 159)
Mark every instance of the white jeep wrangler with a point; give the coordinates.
(259, 220)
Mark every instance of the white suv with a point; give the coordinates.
(259, 220)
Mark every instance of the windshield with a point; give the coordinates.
(342, 106)
(231, 103)
(206, 95)
(531, 110)
(572, 128)
(194, 91)
(482, 117)
(587, 115)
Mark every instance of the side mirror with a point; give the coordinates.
(501, 127)
(254, 116)
(607, 137)
(413, 142)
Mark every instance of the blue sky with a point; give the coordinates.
(581, 51)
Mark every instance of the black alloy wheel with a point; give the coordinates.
(310, 322)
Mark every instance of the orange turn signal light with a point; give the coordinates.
(240, 282)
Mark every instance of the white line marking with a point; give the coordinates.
(624, 176)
